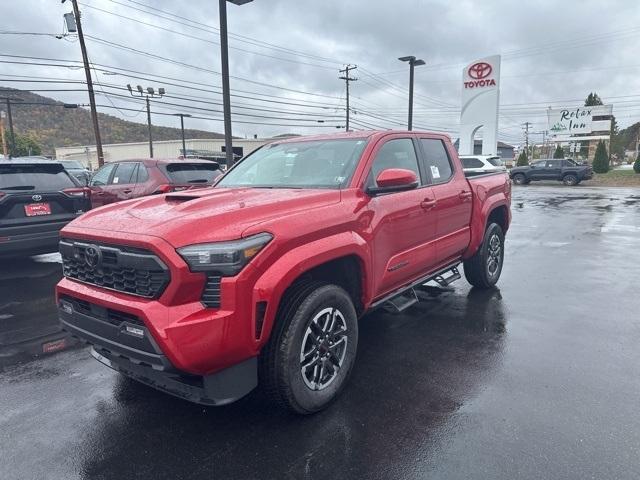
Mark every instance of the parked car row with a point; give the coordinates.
(39, 196)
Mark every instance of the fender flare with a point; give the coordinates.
(479, 225)
(275, 280)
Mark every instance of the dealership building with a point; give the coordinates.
(210, 148)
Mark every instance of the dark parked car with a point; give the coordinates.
(75, 168)
(562, 169)
(127, 179)
(37, 199)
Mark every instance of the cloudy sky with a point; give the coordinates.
(285, 56)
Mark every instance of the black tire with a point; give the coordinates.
(478, 270)
(520, 179)
(570, 180)
(281, 374)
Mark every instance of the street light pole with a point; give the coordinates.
(12, 144)
(151, 93)
(413, 62)
(226, 91)
(184, 145)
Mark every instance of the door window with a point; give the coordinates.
(399, 153)
(143, 175)
(437, 160)
(125, 173)
(101, 177)
(554, 164)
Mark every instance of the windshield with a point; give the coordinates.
(72, 164)
(308, 164)
(496, 161)
(571, 162)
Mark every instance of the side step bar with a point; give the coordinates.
(446, 281)
(406, 296)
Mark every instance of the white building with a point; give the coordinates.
(86, 154)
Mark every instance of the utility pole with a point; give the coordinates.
(151, 93)
(87, 72)
(184, 145)
(12, 144)
(149, 127)
(526, 137)
(4, 139)
(347, 79)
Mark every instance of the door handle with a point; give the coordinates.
(428, 203)
(99, 193)
(465, 195)
(127, 191)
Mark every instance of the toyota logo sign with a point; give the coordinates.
(36, 198)
(480, 70)
(93, 256)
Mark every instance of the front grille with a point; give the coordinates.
(124, 269)
(211, 293)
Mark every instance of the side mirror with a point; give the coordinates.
(394, 180)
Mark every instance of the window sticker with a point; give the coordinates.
(117, 179)
(435, 173)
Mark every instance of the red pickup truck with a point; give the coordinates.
(204, 294)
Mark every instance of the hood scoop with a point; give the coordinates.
(180, 197)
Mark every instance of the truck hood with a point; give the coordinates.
(202, 215)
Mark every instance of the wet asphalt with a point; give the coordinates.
(535, 379)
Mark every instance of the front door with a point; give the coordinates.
(99, 183)
(402, 225)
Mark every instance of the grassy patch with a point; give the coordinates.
(615, 178)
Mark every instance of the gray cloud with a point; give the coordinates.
(552, 51)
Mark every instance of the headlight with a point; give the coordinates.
(227, 258)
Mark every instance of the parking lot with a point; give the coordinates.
(535, 379)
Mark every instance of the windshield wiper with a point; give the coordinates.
(20, 187)
(198, 180)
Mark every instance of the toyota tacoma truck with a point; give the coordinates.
(564, 170)
(205, 294)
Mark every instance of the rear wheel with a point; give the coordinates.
(570, 180)
(484, 268)
(519, 179)
(312, 348)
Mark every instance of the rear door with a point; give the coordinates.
(33, 194)
(553, 170)
(123, 181)
(100, 194)
(453, 198)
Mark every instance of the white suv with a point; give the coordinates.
(478, 164)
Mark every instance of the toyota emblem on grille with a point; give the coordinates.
(92, 256)
(36, 198)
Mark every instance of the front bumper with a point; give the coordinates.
(122, 342)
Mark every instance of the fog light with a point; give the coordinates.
(66, 307)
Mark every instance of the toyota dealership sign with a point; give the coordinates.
(480, 98)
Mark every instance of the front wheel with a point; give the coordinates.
(484, 268)
(312, 348)
(519, 179)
